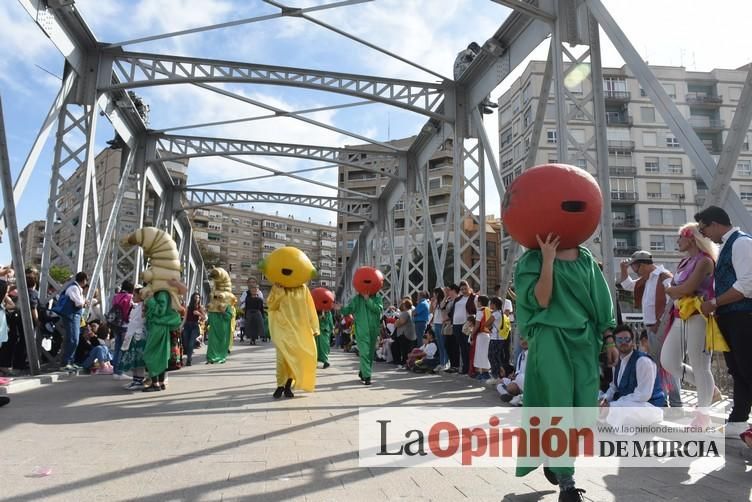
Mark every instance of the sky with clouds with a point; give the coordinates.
(699, 35)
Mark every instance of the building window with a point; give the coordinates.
(434, 183)
(654, 190)
(651, 164)
(745, 192)
(677, 191)
(647, 114)
(551, 136)
(670, 217)
(649, 139)
(581, 163)
(672, 142)
(506, 137)
(675, 165)
(744, 168)
(670, 90)
(657, 242)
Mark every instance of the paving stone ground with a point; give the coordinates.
(217, 434)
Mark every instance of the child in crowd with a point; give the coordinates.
(429, 361)
(134, 342)
(481, 340)
(498, 348)
(511, 388)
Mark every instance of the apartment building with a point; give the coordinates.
(654, 187)
(32, 240)
(239, 239)
(108, 168)
(440, 178)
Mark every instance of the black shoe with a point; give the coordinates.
(505, 398)
(571, 495)
(4, 400)
(367, 381)
(550, 475)
(152, 388)
(188, 362)
(326, 365)
(360, 375)
(288, 388)
(278, 393)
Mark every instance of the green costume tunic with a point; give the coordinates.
(219, 335)
(323, 341)
(367, 315)
(565, 339)
(160, 320)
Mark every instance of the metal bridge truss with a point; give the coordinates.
(97, 75)
(139, 70)
(202, 198)
(169, 147)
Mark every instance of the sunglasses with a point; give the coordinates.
(623, 339)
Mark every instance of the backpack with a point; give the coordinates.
(64, 305)
(116, 316)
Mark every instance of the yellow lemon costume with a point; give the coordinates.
(293, 322)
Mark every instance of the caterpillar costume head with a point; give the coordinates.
(164, 261)
(221, 295)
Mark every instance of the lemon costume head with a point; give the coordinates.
(288, 266)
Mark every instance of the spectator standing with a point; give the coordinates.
(123, 302)
(70, 312)
(732, 306)
(421, 315)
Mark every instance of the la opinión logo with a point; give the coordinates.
(445, 439)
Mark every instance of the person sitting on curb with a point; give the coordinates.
(636, 386)
(511, 388)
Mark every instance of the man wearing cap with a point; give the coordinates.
(650, 297)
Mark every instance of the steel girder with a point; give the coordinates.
(140, 70)
(202, 198)
(169, 147)
(733, 145)
(679, 125)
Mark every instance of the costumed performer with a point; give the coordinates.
(564, 305)
(293, 322)
(324, 301)
(161, 298)
(221, 316)
(367, 307)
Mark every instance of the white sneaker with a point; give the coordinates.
(115, 376)
(733, 429)
(516, 400)
(492, 381)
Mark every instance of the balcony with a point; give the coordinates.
(615, 144)
(625, 250)
(618, 119)
(701, 98)
(611, 95)
(622, 171)
(706, 123)
(628, 223)
(623, 196)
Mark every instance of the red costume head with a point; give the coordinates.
(368, 280)
(559, 199)
(323, 298)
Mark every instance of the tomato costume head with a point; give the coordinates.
(558, 199)
(288, 266)
(323, 298)
(368, 280)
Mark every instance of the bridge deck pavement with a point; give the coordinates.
(216, 434)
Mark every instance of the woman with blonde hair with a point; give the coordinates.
(691, 285)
